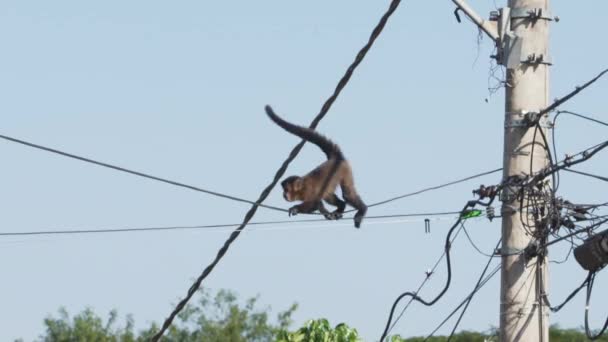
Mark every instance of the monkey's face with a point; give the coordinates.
(292, 186)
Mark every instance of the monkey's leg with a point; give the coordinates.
(327, 214)
(334, 200)
(353, 199)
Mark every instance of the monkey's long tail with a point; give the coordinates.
(331, 150)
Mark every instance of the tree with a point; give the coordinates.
(320, 331)
(217, 318)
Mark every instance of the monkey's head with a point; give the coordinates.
(292, 188)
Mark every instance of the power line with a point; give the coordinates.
(215, 193)
(559, 113)
(435, 187)
(466, 232)
(467, 299)
(582, 116)
(325, 108)
(136, 173)
(577, 90)
(210, 226)
(588, 331)
(605, 179)
(414, 296)
(477, 287)
(429, 274)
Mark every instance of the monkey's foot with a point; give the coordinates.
(333, 216)
(293, 211)
(358, 221)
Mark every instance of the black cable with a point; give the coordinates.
(466, 299)
(447, 284)
(554, 129)
(136, 173)
(466, 232)
(436, 187)
(580, 116)
(211, 226)
(214, 193)
(605, 179)
(586, 155)
(582, 230)
(475, 289)
(577, 90)
(573, 294)
(588, 331)
(429, 274)
(326, 106)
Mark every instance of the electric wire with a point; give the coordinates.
(429, 274)
(466, 232)
(605, 179)
(210, 226)
(554, 123)
(588, 331)
(326, 106)
(136, 173)
(480, 283)
(577, 90)
(436, 187)
(449, 275)
(215, 193)
(475, 290)
(478, 287)
(573, 294)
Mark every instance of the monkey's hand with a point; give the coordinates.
(293, 211)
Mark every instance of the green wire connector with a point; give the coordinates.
(467, 214)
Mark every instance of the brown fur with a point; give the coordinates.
(321, 183)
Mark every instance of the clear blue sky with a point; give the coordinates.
(178, 88)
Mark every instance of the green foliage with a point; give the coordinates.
(86, 326)
(218, 318)
(463, 336)
(222, 318)
(320, 331)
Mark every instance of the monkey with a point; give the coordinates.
(321, 183)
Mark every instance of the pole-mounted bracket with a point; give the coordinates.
(532, 14)
(512, 50)
(486, 26)
(535, 59)
(526, 119)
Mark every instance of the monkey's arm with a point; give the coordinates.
(304, 207)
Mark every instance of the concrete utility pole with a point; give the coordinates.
(521, 34)
(522, 315)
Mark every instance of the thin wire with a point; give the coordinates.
(577, 90)
(198, 227)
(605, 179)
(556, 186)
(426, 279)
(435, 187)
(582, 116)
(588, 331)
(414, 296)
(214, 193)
(573, 294)
(136, 173)
(474, 245)
(466, 300)
(475, 289)
(582, 230)
(326, 106)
